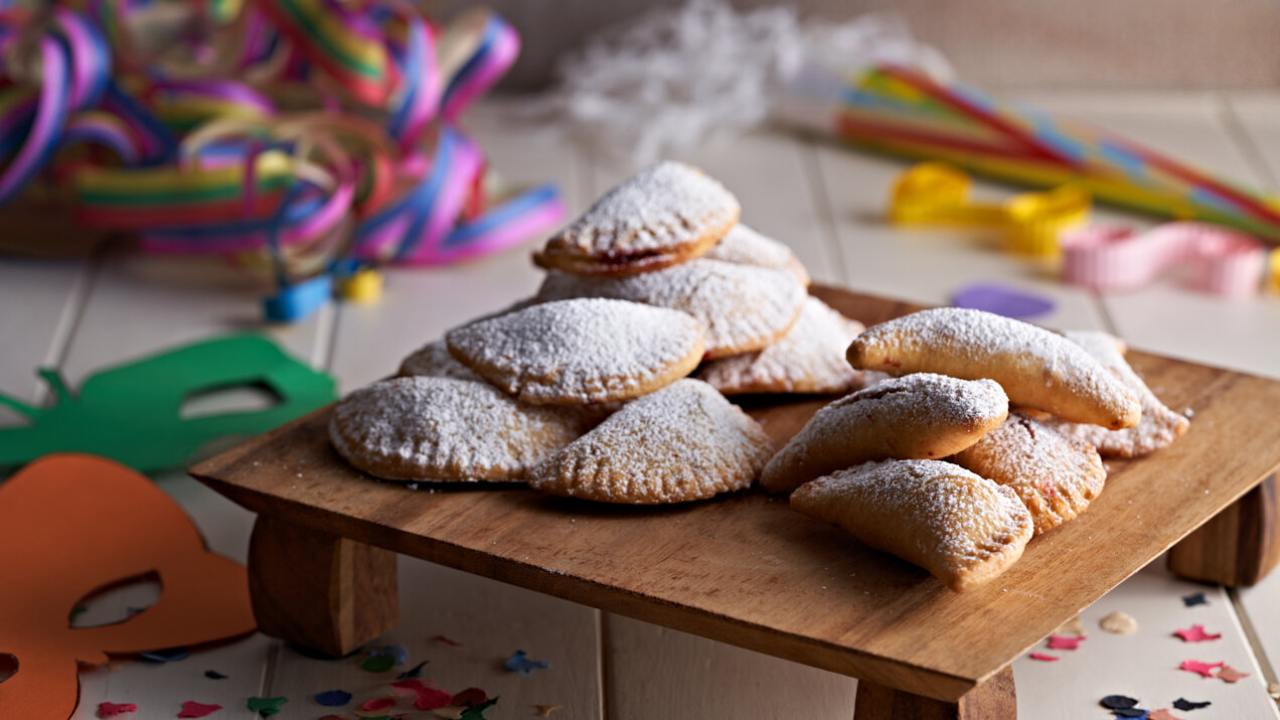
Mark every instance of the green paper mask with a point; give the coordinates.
(131, 413)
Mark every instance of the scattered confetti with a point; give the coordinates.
(396, 652)
(413, 672)
(1185, 704)
(1196, 633)
(110, 710)
(165, 656)
(265, 706)
(1119, 623)
(468, 697)
(1001, 300)
(520, 662)
(425, 696)
(545, 710)
(476, 712)
(378, 663)
(1137, 713)
(381, 703)
(1118, 702)
(1072, 627)
(1063, 642)
(1194, 599)
(1042, 657)
(1228, 674)
(1203, 669)
(453, 712)
(214, 675)
(193, 709)
(1162, 714)
(333, 698)
(446, 641)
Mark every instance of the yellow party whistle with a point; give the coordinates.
(938, 194)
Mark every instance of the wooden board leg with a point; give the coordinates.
(324, 593)
(1238, 546)
(995, 699)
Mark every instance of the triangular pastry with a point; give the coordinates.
(684, 442)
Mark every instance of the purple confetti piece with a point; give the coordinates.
(1002, 300)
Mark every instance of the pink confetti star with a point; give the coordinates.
(1203, 669)
(1196, 633)
(1162, 714)
(1043, 657)
(1229, 674)
(1063, 642)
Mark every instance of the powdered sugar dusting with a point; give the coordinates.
(808, 359)
(434, 360)
(743, 308)
(581, 351)
(658, 209)
(932, 513)
(684, 442)
(1159, 425)
(1054, 476)
(1037, 368)
(915, 416)
(745, 246)
(441, 429)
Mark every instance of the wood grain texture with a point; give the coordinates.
(994, 699)
(320, 591)
(1239, 546)
(748, 571)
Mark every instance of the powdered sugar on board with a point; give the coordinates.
(744, 308)
(440, 429)
(582, 350)
(658, 209)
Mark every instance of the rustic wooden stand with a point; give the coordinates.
(746, 570)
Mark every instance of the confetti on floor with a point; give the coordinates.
(413, 672)
(165, 656)
(382, 703)
(398, 653)
(446, 641)
(1072, 627)
(521, 662)
(1064, 642)
(1228, 674)
(1162, 714)
(1136, 713)
(1196, 633)
(425, 696)
(1119, 623)
(545, 710)
(193, 709)
(1118, 702)
(333, 698)
(265, 706)
(378, 663)
(1185, 704)
(470, 696)
(110, 709)
(1194, 599)
(1203, 669)
(1042, 657)
(214, 675)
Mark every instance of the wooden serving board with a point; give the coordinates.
(746, 570)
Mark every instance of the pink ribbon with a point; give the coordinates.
(1221, 261)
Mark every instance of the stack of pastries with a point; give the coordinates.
(609, 385)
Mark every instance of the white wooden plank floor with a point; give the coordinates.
(824, 201)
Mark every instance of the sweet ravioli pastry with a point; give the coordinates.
(445, 430)
(747, 247)
(1056, 477)
(918, 416)
(434, 360)
(808, 359)
(684, 442)
(664, 215)
(1159, 425)
(1037, 368)
(744, 308)
(962, 528)
(574, 352)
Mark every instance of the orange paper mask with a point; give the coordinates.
(75, 524)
